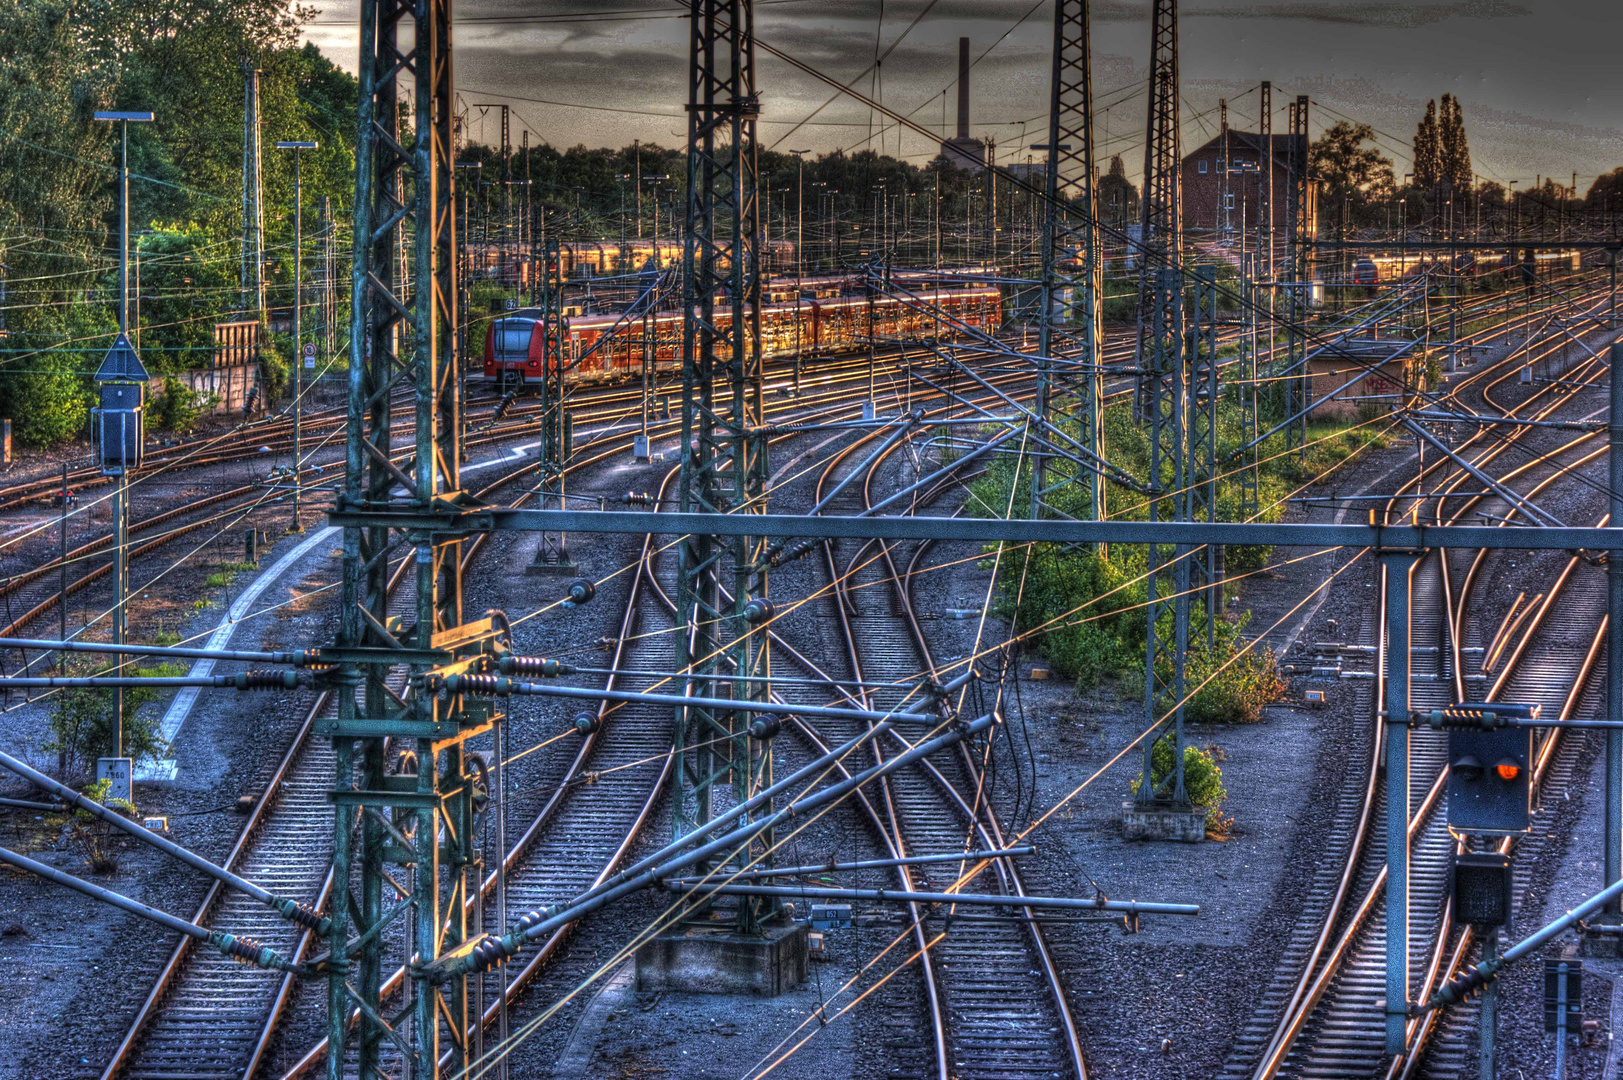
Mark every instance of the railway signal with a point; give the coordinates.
(1489, 768)
(1480, 884)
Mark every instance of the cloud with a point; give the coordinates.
(1385, 16)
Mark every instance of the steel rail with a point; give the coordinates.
(1316, 978)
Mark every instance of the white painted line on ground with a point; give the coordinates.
(164, 770)
(181, 706)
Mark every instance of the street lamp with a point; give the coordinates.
(302, 357)
(118, 769)
(651, 178)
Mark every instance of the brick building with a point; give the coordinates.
(1203, 183)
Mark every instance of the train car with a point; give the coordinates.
(1365, 272)
(822, 319)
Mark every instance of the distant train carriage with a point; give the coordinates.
(604, 348)
(1365, 272)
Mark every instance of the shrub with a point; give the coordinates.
(179, 408)
(81, 724)
(92, 834)
(1237, 693)
(1202, 777)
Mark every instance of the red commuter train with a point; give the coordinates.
(820, 321)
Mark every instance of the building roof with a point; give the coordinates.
(1250, 140)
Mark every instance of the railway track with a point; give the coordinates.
(927, 811)
(271, 435)
(995, 1005)
(1324, 1015)
(576, 834)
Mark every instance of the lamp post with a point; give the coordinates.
(800, 249)
(655, 179)
(120, 560)
(650, 315)
(300, 359)
(124, 120)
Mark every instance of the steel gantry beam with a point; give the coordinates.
(402, 333)
(724, 449)
(1072, 276)
(1163, 397)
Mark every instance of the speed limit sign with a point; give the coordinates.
(310, 355)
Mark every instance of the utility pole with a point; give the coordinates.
(1396, 566)
(122, 368)
(1070, 399)
(503, 255)
(724, 459)
(329, 278)
(1265, 218)
(1612, 859)
(555, 429)
(253, 199)
(800, 249)
(525, 226)
(1223, 166)
(301, 358)
(62, 571)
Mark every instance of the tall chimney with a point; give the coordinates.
(963, 88)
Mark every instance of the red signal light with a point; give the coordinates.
(1508, 770)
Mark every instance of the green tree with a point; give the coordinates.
(1428, 150)
(1350, 172)
(45, 384)
(1606, 193)
(81, 723)
(1454, 154)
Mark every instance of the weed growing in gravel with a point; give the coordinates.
(92, 834)
(1088, 605)
(1202, 779)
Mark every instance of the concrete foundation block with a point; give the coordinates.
(706, 961)
(1184, 825)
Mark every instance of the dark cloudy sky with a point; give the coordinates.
(1538, 79)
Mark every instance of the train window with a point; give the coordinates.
(513, 337)
(1204, 165)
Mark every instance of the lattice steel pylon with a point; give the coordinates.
(1070, 397)
(1163, 397)
(556, 434)
(724, 449)
(420, 816)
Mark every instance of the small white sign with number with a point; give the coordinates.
(117, 771)
(510, 304)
